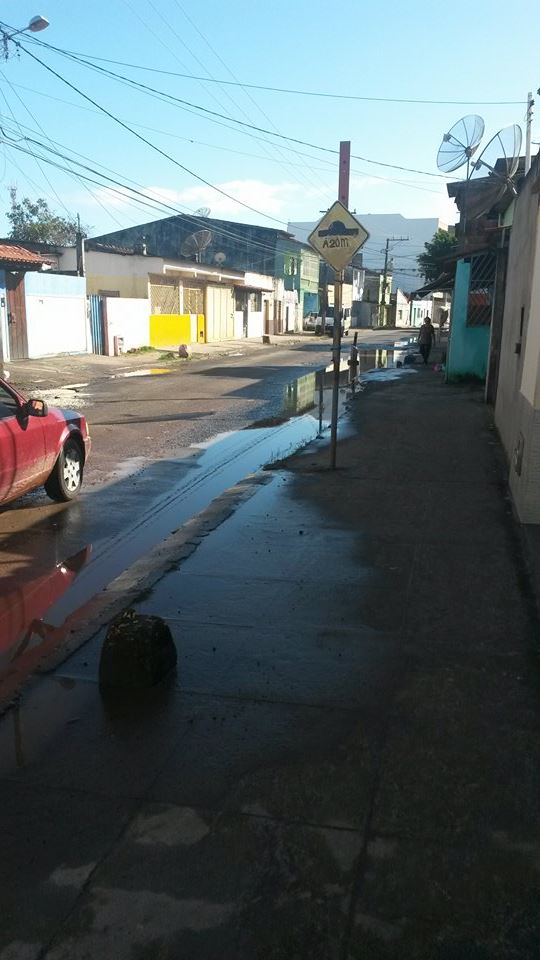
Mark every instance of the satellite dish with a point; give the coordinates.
(196, 243)
(459, 144)
(202, 212)
(501, 156)
(492, 173)
(220, 258)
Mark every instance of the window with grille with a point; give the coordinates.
(481, 290)
(193, 300)
(164, 298)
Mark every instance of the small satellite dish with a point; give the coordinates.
(492, 174)
(202, 212)
(220, 258)
(195, 244)
(459, 144)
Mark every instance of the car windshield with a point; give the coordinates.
(8, 403)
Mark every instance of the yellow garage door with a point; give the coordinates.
(219, 313)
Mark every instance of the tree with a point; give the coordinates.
(34, 220)
(437, 253)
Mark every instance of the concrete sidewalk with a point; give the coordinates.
(346, 765)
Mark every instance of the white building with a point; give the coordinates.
(403, 255)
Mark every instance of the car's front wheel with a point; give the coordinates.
(64, 482)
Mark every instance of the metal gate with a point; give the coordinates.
(95, 309)
(219, 313)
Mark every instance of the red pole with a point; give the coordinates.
(344, 171)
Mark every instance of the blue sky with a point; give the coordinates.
(452, 51)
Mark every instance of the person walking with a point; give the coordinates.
(426, 338)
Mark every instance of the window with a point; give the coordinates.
(193, 300)
(8, 404)
(164, 298)
(240, 300)
(481, 290)
(255, 304)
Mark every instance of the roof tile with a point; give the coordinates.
(16, 254)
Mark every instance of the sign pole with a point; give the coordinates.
(343, 196)
(336, 351)
(336, 238)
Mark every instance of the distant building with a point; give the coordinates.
(229, 246)
(420, 230)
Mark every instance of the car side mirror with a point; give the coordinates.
(36, 408)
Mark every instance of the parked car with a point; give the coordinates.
(40, 446)
(313, 321)
(345, 322)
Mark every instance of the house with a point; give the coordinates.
(517, 407)
(41, 313)
(136, 299)
(370, 310)
(429, 303)
(226, 246)
(476, 278)
(398, 311)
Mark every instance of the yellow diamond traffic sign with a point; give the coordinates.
(338, 236)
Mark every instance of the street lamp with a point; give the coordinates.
(36, 25)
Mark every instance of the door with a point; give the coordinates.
(18, 345)
(220, 313)
(22, 448)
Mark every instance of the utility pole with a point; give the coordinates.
(528, 121)
(382, 297)
(79, 249)
(343, 197)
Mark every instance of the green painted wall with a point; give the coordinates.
(468, 347)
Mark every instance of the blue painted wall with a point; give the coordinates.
(468, 347)
(53, 285)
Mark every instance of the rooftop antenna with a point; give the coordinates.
(494, 171)
(195, 245)
(459, 144)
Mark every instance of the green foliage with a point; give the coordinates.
(34, 220)
(437, 253)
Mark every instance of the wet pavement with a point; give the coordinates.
(345, 762)
(55, 558)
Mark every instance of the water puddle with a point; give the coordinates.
(149, 372)
(37, 614)
(389, 361)
(38, 610)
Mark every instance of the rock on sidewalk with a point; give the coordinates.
(137, 653)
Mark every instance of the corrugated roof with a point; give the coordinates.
(16, 254)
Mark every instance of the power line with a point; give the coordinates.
(413, 185)
(153, 146)
(218, 56)
(152, 202)
(40, 128)
(213, 113)
(286, 90)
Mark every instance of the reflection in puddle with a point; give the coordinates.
(389, 361)
(24, 635)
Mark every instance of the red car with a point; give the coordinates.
(39, 446)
